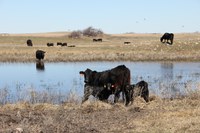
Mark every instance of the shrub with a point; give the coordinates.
(92, 32)
(75, 34)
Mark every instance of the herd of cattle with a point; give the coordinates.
(29, 43)
(97, 40)
(166, 38)
(114, 81)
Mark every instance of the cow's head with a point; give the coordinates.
(88, 75)
(129, 91)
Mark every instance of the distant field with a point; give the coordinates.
(143, 47)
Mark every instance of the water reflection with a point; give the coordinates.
(40, 65)
(165, 79)
(169, 86)
(167, 70)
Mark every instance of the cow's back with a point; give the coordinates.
(121, 74)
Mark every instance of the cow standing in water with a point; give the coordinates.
(168, 37)
(118, 77)
(40, 54)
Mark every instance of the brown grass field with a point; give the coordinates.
(143, 47)
(179, 115)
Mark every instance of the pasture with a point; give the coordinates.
(180, 114)
(143, 47)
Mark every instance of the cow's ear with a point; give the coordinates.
(81, 73)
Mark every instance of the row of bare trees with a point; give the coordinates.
(89, 32)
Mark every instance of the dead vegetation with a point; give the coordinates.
(159, 115)
(143, 47)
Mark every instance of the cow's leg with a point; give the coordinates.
(128, 95)
(117, 95)
(87, 93)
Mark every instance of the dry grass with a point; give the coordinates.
(159, 115)
(143, 47)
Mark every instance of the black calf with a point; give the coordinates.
(100, 92)
(139, 89)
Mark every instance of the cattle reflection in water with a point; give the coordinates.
(40, 65)
(168, 80)
(167, 70)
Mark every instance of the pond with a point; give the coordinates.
(55, 82)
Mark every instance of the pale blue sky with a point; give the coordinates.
(112, 16)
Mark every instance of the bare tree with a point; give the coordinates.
(92, 32)
(75, 34)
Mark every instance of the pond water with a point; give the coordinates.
(19, 81)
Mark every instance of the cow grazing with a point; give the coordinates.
(40, 54)
(139, 89)
(98, 40)
(64, 44)
(94, 40)
(50, 44)
(59, 43)
(126, 43)
(119, 77)
(102, 93)
(29, 42)
(167, 37)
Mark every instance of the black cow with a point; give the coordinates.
(29, 42)
(100, 92)
(167, 36)
(119, 77)
(99, 40)
(139, 89)
(50, 44)
(64, 44)
(94, 40)
(59, 43)
(127, 42)
(40, 54)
